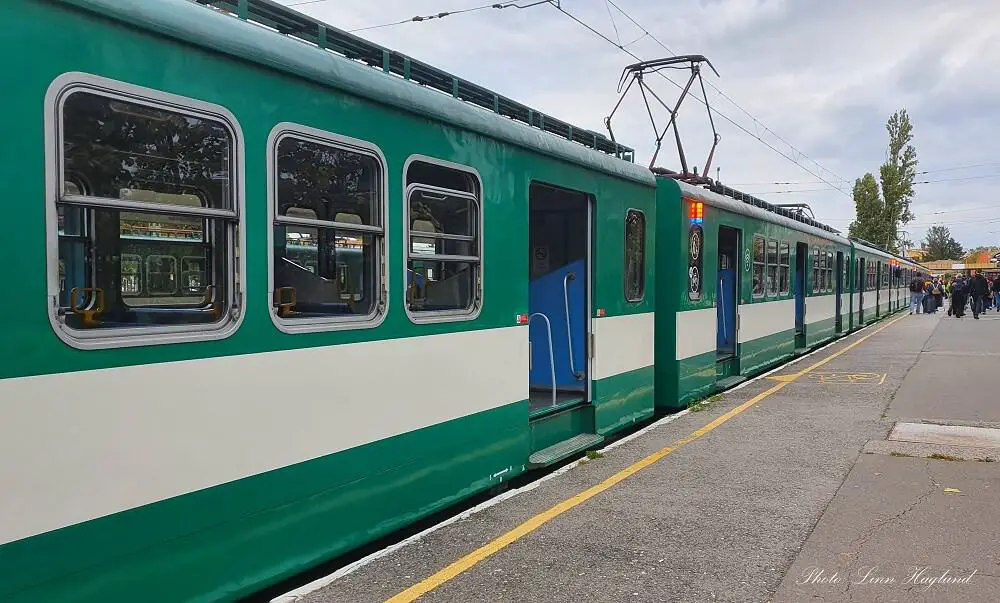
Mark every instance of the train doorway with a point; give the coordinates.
(801, 257)
(559, 232)
(726, 301)
(879, 292)
(862, 283)
(840, 290)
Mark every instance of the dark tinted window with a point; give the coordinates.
(635, 255)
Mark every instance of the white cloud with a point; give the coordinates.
(824, 76)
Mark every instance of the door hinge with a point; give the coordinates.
(590, 345)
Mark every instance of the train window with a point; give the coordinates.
(815, 270)
(444, 248)
(328, 237)
(824, 261)
(143, 184)
(635, 255)
(772, 268)
(821, 261)
(759, 263)
(830, 266)
(783, 271)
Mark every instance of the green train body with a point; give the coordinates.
(275, 303)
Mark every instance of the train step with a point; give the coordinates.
(729, 382)
(563, 449)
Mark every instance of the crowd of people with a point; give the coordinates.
(973, 291)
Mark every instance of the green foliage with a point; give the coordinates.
(879, 214)
(869, 209)
(940, 245)
(898, 173)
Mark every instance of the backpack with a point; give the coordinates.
(916, 286)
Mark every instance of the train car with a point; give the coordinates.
(276, 299)
(757, 285)
(880, 282)
(282, 291)
(872, 270)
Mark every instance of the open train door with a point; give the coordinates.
(840, 291)
(561, 413)
(727, 298)
(862, 284)
(801, 258)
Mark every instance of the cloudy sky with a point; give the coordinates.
(815, 80)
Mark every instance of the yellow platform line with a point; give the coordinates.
(468, 561)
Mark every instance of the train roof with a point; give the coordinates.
(750, 206)
(276, 36)
(876, 250)
(730, 199)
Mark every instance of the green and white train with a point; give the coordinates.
(274, 303)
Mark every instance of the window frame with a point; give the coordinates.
(831, 265)
(234, 266)
(301, 132)
(642, 273)
(762, 263)
(815, 270)
(783, 285)
(777, 268)
(476, 308)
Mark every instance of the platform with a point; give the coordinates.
(784, 489)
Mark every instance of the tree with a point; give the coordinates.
(869, 209)
(878, 217)
(941, 246)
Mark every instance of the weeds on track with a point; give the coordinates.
(705, 404)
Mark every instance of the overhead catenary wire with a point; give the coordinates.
(922, 172)
(718, 90)
(702, 100)
(439, 15)
(624, 48)
(812, 190)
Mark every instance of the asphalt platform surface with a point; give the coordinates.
(794, 498)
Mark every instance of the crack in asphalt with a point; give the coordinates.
(871, 532)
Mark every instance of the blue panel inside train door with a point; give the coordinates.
(726, 301)
(725, 309)
(560, 295)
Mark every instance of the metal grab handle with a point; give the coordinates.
(569, 330)
(552, 360)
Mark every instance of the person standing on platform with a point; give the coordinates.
(928, 300)
(937, 290)
(959, 293)
(996, 287)
(977, 290)
(916, 293)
